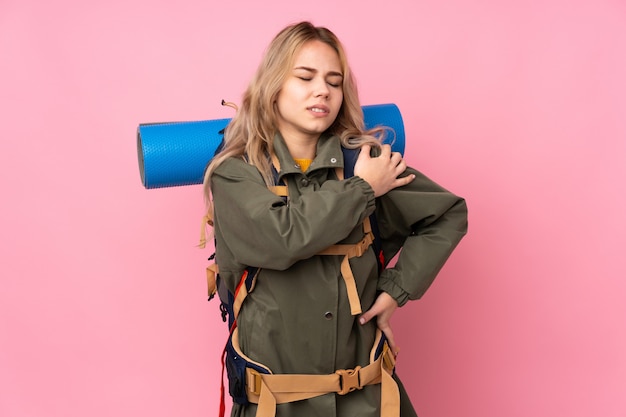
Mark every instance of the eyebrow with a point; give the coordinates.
(331, 73)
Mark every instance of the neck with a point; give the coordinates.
(302, 147)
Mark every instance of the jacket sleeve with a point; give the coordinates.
(260, 229)
(426, 222)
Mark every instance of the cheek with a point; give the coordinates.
(339, 98)
(291, 91)
(283, 101)
(283, 104)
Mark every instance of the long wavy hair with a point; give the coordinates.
(251, 131)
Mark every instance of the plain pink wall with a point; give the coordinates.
(519, 106)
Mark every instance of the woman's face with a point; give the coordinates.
(311, 96)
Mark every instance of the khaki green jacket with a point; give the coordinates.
(297, 319)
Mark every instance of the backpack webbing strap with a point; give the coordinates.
(268, 390)
(211, 279)
(245, 286)
(279, 190)
(207, 219)
(348, 250)
(352, 251)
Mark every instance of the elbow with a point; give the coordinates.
(461, 207)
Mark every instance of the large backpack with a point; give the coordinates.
(237, 365)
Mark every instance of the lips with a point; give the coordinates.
(319, 109)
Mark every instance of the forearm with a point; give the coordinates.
(269, 233)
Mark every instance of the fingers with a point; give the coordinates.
(390, 339)
(383, 172)
(400, 168)
(365, 151)
(385, 150)
(382, 323)
(366, 317)
(383, 308)
(403, 181)
(377, 309)
(396, 160)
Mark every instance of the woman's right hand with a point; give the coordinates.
(383, 308)
(382, 172)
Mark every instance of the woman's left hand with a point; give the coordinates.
(383, 309)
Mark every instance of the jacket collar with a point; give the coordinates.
(328, 155)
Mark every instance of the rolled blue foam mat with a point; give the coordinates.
(177, 153)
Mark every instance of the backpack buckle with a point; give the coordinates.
(349, 380)
(254, 381)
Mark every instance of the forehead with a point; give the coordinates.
(317, 55)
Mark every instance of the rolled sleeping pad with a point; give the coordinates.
(177, 153)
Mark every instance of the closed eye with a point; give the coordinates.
(332, 84)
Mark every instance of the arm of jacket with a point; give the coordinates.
(261, 230)
(427, 222)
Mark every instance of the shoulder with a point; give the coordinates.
(236, 168)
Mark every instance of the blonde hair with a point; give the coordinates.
(251, 131)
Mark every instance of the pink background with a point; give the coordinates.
(519, 106)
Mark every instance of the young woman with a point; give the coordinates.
(319, 299)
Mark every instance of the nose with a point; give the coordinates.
(321, 88)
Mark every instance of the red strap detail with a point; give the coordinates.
(232, 328)
(381, 258)
(242, 281)
(222, 398)
(222, 391)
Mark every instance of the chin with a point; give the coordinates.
(319, 129)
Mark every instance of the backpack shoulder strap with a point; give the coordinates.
(280, 189)
(349, 160)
